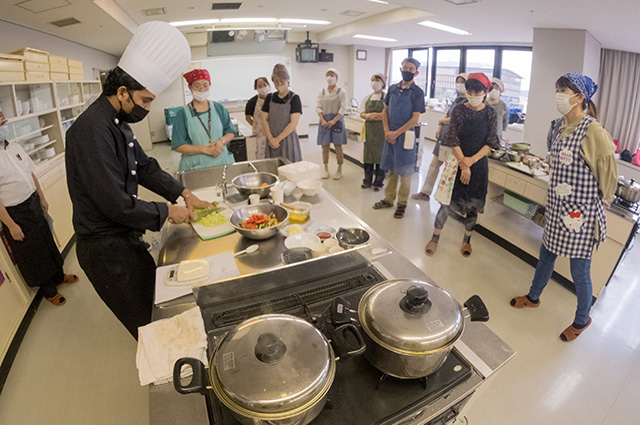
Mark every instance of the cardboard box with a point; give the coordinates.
(76, 70)
(11, 63)
(74, 63)
(76, 77)
(57, 60)
(36, 66)
(33, 55)
(59, 76)
(10, 76)
(56, 67)
(36, 76)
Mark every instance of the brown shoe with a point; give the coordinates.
(572, 333)
(70, 278)
(466, 250)
(522, 302)
(431, 248)
(57, 299)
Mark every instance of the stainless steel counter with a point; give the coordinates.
(479, 345)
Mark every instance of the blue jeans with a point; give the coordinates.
(581, 274)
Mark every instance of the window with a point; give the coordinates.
(396, 63)
(422, 56)
(515, 73)
(481, 60)
(443, 79)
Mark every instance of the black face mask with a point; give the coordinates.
(407, 75)
(137, 114)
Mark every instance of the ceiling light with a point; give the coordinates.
(303, 21)
(193, 23)
(352, 13)
(156, 11)
(382, 1)
(248, 29)
(459, 2)
(441, 27)
(373, 37)
(252, 20)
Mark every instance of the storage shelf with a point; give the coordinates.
(40, 147)
(62, 108)
(32, 133)
(69, 120)
(500, 201)
(31, 115)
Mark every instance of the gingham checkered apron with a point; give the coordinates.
(573, 208)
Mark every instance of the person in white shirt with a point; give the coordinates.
(22, 212)
(332, 105)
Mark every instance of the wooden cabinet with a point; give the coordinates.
(54, 186)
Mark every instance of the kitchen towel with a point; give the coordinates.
(162, 343)
(445, 187)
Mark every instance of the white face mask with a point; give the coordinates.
(460, 88)
(263, 91)
(494, 94)
(475, 100)
(332, 81)
(4, 133)
(376, 85)
(562, 103)
(201, 96)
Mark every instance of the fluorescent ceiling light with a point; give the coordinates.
(373, 37)
(253, 20)
(441, 27)
(250, 29)
(379, 1)
(303, 21)
(193, 23)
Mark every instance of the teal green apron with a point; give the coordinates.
(199, 136)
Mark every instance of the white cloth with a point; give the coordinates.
(157, 54)
(16, 181)
(373, 96)
(334, 102)
(162, 343)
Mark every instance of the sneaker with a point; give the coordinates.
(377, 188)
(325, 173)
(337, 175)
(366, 185)
(420, 196)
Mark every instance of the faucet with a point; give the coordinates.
(223, 184)
(255, 170)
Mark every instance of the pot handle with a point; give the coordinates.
(477, 309)
(343, 348)
(198, 383)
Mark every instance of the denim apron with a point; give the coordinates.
(395, 158)
(336, 134)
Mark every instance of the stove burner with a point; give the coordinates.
(383, 376)
(634, 207)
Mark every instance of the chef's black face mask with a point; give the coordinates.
(137, 114)
(407, 75)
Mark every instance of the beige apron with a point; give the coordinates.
(259, 130)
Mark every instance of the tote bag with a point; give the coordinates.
(445, 185)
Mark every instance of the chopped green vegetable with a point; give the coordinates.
(212, 220)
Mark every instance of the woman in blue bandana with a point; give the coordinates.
(583, 180)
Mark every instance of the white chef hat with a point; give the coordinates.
(157, 54)
(335, 71)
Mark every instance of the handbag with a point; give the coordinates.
(445, 185)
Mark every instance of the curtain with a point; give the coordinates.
(619, 97)
(388, 64)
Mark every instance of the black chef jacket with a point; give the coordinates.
(105, 163)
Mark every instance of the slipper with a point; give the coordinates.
(399, 213)
(572, 333)
(522, 302)
(382, 204)
(57, 299)
(376, 188)
(420, 197)
(431, 248)
(466, 250)
(70, 278)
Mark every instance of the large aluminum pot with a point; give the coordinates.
(250, 183)
(273, 369)
(410, 326)
(628, 190)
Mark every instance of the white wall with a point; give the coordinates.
(362, 70)
(555, 52)
(15, 37)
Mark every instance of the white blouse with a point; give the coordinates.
(334, 102)
(16, 180)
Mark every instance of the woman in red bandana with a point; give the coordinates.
(472, 133)
(203, 128)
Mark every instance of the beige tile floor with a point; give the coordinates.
(77, 363)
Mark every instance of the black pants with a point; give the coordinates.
(371, 170)
(123, 274)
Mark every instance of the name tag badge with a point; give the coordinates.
(566, 156)
(563, 190)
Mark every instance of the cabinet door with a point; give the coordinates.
(54, 186)
(13, 305)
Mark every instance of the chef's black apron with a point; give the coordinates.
(123, 274)
(37, 256)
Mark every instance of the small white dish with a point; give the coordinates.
(301, 240)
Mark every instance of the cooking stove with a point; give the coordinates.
(626, 205)
(360, 394)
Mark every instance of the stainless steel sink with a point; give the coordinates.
(211, 176)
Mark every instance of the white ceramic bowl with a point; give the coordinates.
(310, 187)
(301, 240)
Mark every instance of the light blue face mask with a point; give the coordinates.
(4, 133)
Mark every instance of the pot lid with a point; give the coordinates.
(631, 183)
(274, 364)
(410, 316)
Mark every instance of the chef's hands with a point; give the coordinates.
(192, 201)
(16, 232)
(179, 214)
